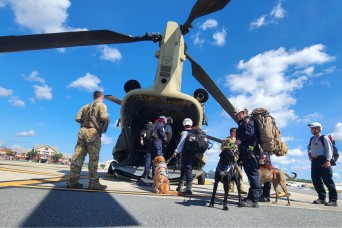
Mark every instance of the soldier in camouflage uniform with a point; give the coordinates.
(94, 121)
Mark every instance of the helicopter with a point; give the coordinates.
(142, 105)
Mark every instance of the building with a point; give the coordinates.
(45, 153)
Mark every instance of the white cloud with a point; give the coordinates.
(198, 41)
(278, 12)
(41, 16)
(16, 102)
(336, 175)
(220, 37)
(275, 15)
(26, 133)
(312, 117)
(215, 150)
(110, 54)
(5, 92)
(287, 139)
(258, 22)
(209, 24)
(32, 100)
(3, 3)
(42, 92)
(88, 82)
(266, 80)
(296, 152)
(106, 140)
(33, 77)
(284, 160)
(337, 133)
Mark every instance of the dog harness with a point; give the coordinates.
(225, 169)
(162, 167)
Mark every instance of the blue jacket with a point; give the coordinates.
(247, 133)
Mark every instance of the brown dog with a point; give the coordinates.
(276, 176)
(161, 183)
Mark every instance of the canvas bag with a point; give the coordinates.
(270, 135)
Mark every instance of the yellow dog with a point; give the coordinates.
(161, 183)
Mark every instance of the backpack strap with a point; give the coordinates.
(92, 117)
(322, 140)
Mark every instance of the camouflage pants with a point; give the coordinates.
(232, 183)
(88, 142)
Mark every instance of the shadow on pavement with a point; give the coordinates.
(78, 209)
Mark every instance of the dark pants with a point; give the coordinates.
(252, 171)
(152, 152)
(186, 169)
(320, 175)
(265, 190)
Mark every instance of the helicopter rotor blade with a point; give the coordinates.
(68, 39)
(203, 78)
(113, 99)
(214, 139)
(201, 8)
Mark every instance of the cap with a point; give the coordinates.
(187, 121)
(170, 118)
(315, 124)
(163, 118)
(239, 109)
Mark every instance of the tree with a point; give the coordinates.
(55, 158)
(9, 153)
(31, 155)
(102, 166)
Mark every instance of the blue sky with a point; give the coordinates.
(281, 55)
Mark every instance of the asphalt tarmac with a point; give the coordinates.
(35, 195)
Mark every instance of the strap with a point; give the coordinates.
(92, 117)
(322, 140)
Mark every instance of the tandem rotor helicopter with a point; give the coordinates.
(139, 105)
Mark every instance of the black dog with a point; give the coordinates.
(226, 171)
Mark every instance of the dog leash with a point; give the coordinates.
(168, 160)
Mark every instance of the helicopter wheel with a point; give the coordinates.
(201, 179)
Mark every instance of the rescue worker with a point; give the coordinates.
(94, 120)
(168, 129)
(226, 144)
(188, 158)
(320, 151)
(246, 139)
(157, 147)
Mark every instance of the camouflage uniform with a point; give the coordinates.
(224, 145)
(88, 142)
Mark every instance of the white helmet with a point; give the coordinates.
(163, 118)
(170, 118)
(239, 109)
(315, 124)
(187, 121)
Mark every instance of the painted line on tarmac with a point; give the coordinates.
(32, 181)
(20, 183)
(30, 172)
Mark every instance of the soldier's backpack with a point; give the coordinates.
(149, 133)
(89, 116)
(196, 141)
(335, 150)
(270, 136)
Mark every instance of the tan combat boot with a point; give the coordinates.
(74, 185)
(97, 186)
